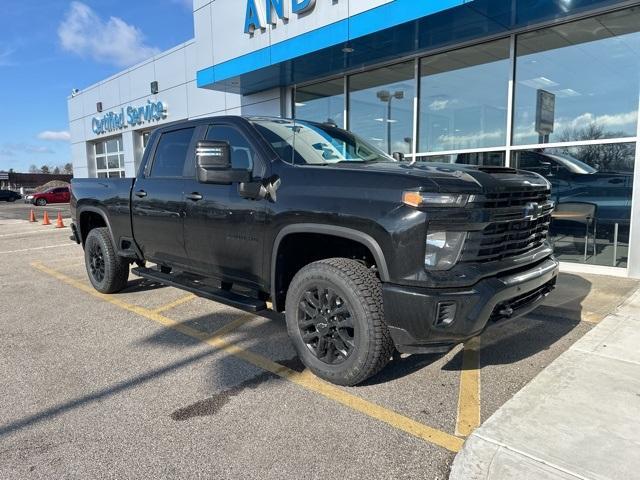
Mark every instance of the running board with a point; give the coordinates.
(189, 284)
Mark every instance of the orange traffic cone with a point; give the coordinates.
(59, 223)
(32, 216)
(45, 219)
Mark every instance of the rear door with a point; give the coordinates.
(157, 200)
(224, 231)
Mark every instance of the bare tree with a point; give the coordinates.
(68, 168)
(33, 169)
(45, 169)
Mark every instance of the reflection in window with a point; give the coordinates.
(463, 98)
(381, 107)
(589, 69)
(321, 102)
(485, 159)
(592, 187)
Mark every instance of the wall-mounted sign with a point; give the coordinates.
(545, 112)
(261, 13)
(129, 117)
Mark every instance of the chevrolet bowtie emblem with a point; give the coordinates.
(532, 210)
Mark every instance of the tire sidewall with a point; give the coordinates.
(92, 239)
(325, 275)
(41, 202)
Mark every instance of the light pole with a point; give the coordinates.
(387, 97)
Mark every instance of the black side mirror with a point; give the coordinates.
(398, 156)
(213, 164)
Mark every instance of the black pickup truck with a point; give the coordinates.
(363, 252)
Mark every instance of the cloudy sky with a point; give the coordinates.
(47, 48)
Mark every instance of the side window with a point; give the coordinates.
(242, 155)
(171, 153)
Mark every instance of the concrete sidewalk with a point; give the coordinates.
(579, 418)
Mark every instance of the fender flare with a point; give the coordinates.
(102, 214)
(335, 231)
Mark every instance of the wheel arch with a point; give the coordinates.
(92, 217)
(331, 231)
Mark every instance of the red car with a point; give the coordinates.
(53, 195)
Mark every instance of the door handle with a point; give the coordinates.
(194, 197)
(141, 194)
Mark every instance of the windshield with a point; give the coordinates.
(308, 143)
(573, 164)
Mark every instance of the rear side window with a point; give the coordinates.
(171, 153)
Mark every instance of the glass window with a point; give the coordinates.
(578, 81)
(463, 98)
(321, 102)
(113, 162)
(113, 146)
(306, 143)
(171, 153)
(485, 159)
(241, 151)
(381, 107)
(109, 157)
(592, 187)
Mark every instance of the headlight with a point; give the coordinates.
(426, 199)
(443, 249)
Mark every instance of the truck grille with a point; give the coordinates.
(519, 234)
(516, 199)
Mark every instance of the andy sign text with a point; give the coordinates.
(261, 13)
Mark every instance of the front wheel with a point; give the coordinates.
(108, 272)
(335, 319)
(41, 202)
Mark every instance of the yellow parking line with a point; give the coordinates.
(469, 395)
(305, 379)
(175, 303)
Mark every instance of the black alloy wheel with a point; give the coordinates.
(107, 271)
(96, 262)
(325, 324)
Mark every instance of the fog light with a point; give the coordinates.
(445, 314)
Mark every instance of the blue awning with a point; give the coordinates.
(397, 29)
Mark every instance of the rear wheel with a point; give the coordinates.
(41, 202)
(108, 272)
(335, 320)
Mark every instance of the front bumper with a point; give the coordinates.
(412, 313)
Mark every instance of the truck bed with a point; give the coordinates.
(112, 196)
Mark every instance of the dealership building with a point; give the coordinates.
(551, 86)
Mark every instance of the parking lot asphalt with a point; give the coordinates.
(19, 210)
(154, 382)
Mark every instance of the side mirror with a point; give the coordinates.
(398, 156)
(213, 164)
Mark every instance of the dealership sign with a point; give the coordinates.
(260, 13)
(129, 117)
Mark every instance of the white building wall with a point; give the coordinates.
(175, 72)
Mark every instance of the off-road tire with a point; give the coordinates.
(114, 269)
(361, 292)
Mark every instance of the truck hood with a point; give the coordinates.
(455, 178)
